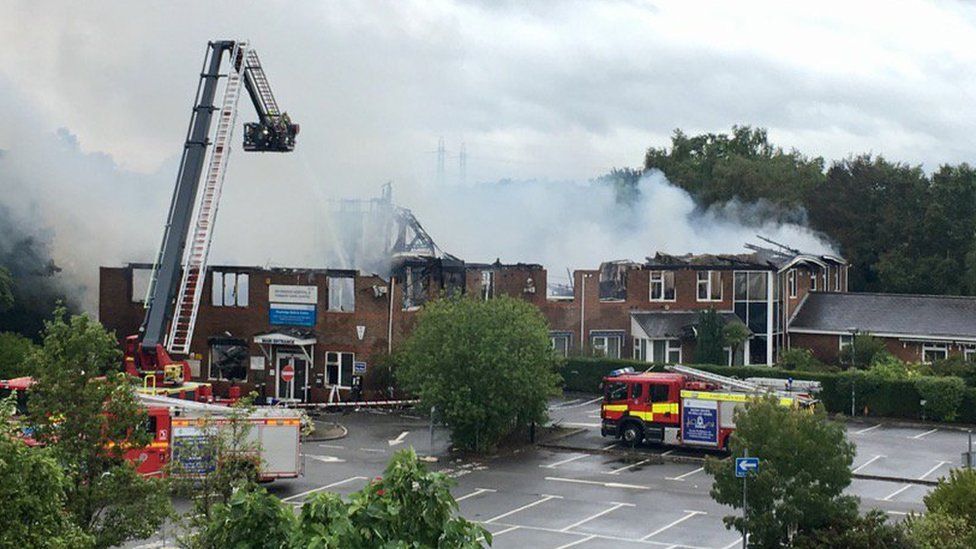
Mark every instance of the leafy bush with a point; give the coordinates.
(801, 360)
(938, 530)
(871, 531)
(487, 367)
(888, 366)
(955, 365)
(710, 342)
(862, 351)
(14, 350)
(950, 517)
(407, 507)
(942, 396)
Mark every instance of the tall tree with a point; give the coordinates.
(486, 366)
(710, 339)
(804, 468)
(86, 413)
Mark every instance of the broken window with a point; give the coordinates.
(662, 285)
(229, 289)
(229, 358)
(414, 287)
(342, 293)
(709, 285)
(140, 284)
(487, 284)
(613, 281)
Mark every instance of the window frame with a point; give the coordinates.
(568, 336)
(791, 282)
(338, 364)
(341, 294)
(660, 278)
(709, 285)
(606, 337)
(932, 346)
(239, 298)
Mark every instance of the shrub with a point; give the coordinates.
(942, 396)
(888, 366)
(955, 366)
(802, 360)
(862, 350)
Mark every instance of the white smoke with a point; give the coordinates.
(579, 225)
(101, 215)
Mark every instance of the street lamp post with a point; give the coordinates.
(853, 364)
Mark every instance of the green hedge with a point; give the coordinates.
(947, 399)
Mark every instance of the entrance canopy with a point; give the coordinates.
(302, 339)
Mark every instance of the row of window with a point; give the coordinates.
(338, 367)
(931, 351)
(793, 275)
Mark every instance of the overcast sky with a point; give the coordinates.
(547, 90)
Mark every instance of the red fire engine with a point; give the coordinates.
(685, 407)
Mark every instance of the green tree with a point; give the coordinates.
(33, 493)
(734, 334)
(871, 531)
(486, 366)
(87, 415)
(407, 507)
(862, 351)
(709, 342)
(14, 352)
(950, 516)
(801, 360)
(804, 468)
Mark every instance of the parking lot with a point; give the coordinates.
(591, 492)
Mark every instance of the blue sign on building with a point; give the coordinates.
(291, 314)
(699, 423)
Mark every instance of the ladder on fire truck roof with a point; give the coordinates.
(736, 383)
(195, 261)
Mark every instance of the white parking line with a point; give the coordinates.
(505, 531)
(735, 543)
(932, 470)
(896, 492)
(522, 508)
(926, 433)
(577, 542)
(668, 453)
(675, 523)
(591, 517)
(617, 471)
(477, 491)
(373, 450)
(320, 488)
(688, 474)
(604, 536)
(608, 446)
(866, 463)
(604, 484)
(867, 430)
(562, 462)
(333, 446)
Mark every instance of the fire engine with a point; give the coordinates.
(683, 407)
(179, 271)
(181, 427)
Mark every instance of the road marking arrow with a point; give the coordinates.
(399, 439)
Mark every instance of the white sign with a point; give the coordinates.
(257, 362)
(360, 332)
(280, 293)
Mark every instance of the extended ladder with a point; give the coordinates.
(195, 261)
(261, 85)
(737, 383)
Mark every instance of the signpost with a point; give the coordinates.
(744, 466)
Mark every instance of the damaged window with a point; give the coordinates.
(662, 285)
(229, 359)
(613, 281)
(140, 284)
(487, 284)
(414, 287)
(709, 285)
(342, 293)
(229, 289)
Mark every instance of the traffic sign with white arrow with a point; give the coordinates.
(745, 465)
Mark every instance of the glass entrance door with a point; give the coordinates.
(293, 388)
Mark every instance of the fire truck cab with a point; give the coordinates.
(685, 407)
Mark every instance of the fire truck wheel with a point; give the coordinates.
(632, 434)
